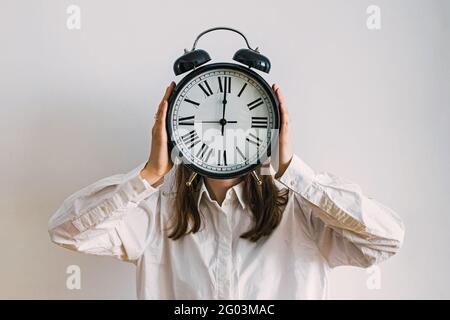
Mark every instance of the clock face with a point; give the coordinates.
(222, 119)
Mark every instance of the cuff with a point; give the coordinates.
(129, 194)
(298, 175)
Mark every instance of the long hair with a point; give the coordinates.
(266, 203)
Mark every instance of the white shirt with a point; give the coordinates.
(326, 223)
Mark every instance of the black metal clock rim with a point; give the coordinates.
(193, 74)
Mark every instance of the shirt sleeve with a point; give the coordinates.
(348, 227)
(107, 217)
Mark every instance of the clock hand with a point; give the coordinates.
(224, 102)
(207, 121)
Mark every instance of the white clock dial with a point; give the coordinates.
(222, 121)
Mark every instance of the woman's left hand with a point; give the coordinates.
(285, 146)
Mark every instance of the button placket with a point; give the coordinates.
(224, 256)
(224, 279)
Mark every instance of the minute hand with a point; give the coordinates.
(224, 102)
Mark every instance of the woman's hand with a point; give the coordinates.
(159, 162)
(285, 147)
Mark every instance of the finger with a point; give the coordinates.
(160, 116)
(279, 95)
(164, 102)
(168, 92)
(283, 109)
(166, 96)
(284, 114)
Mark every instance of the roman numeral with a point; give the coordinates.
(190, 139)
(256, 103)
(204, 150)
(241, 154)
(259, 122)
(206, 90)
(193, 102)
(254, 139)
(221, 155)
(209, 154)
(186, 121)
(226, 84)
(242, 89)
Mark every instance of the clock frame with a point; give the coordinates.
(208, 68)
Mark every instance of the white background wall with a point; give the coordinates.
(76, 106)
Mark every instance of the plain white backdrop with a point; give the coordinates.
(368, 105)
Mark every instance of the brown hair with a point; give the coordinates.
(266, 203)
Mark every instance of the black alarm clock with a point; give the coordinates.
(222, 117)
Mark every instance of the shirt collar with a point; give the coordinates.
(238, 190)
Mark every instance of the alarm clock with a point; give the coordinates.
(222, 117)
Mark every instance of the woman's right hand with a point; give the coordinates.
(159, 162)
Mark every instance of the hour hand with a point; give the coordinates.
(216, 121)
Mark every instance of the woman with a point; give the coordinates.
(228, 239)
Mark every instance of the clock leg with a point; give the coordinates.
(191, 178)
(255, 176)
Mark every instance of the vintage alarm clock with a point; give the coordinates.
(222, 117)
